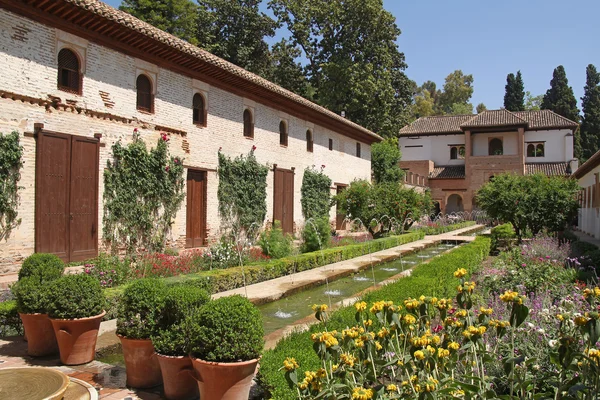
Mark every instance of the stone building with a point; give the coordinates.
(456, 154)
(588, 177)
(78, 76)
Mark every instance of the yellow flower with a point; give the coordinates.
(391, 388)
(378, 346)
(457, 393)
(581, 320)
(377, 306)
(359, 343)
(409, 319)
(459, 273)
(443, 353)
(309, 376)
(486, 311)
(303, 385)
(594, 353)
(290, 364)
(509, 296)
(431, 384)
(383, 333)
(359, 393)
(411, 304)
(321, 373)
(368, 322)
(430, 349)
(461, 313)
(335, 367)
(319, 307)
(453, 346)
(560, 317)
(348, 359)
(419, 355)
(360, 306)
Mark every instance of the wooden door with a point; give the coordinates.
(66, 196)
(340, 218)
(283, 199)
(196, 209)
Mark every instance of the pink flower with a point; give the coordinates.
(176, 160)
(523, 265)
(164, 137)
(437, 329)
(167, 168)
(220, 148)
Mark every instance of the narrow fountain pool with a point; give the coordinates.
(281, 313)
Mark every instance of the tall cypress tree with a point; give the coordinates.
(590, 123)
(514, 96)
(560, 99)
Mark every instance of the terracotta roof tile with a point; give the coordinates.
(436, 124)
(545, 119)
(548, 168)
(493, 118)
(448, 172)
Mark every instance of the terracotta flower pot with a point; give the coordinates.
(77, 338)
(224, 381)
(178, 377)
(42, 340)
(141, 363)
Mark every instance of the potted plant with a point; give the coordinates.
(227, 343)
(172, 342)
(46, 268)
(76, 308)
(32, 296)
(137, 319)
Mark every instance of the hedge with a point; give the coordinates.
(436, 230)
(430, 279)
(10, 322)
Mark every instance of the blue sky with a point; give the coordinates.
(491, 38)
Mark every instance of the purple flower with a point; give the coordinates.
(523, 265)
(101, 273)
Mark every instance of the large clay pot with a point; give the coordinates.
(224, 381)
(178, 377)
(40, 333)
(141, 363)
(77, 338)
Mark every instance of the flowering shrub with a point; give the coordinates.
(158, 265)
(223, 254)
(108, 270)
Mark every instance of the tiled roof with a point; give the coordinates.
(436, 124)
(493, 118)
(532, 120)
(548, 168)
(448, 172)
(226, 70)
(587, 166)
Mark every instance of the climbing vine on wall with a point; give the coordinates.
(315, 193)
(142, 192)
(242, 192)
(11, 153)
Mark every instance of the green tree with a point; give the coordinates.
(458, 90)
(481, 108)
(533, 103)
(514, 96)
(352, 59)
(286, 71)
(590, 123)
(235, 30)
(531, 202)
(461, 108)
(177, 17)
(424, 105)
(385, 159)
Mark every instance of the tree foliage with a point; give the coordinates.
(533, 103)
(385, 159)
(316, 194)
(11, 153)
(533, 202)
(480, 108)
(377, 205)
(514, 96)
(590, 123)
(458, 90)
(143, 190)
(352, 60)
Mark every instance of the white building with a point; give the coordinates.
(78, 75)
(588, 177)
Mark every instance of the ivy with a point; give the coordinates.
(142, 192)
(11, 153)
(242, 192)
(315, 193)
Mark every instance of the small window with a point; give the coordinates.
(309, 141)
(145, 97)
(199, 110)
(248, 124)
(495, 147)
(535, 150)
(461, 152)
(69, 77)
(358, 150)
(283, 134)
(457, 152)
(330, 144)
(453, 153)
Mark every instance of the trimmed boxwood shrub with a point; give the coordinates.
(10, 322)
(47, 267)
(181, 301)
(316, 235)
(228, 329)
(501, 234)
(31, 295)
(140, 308)
(75, 296)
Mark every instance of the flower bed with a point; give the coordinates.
(429, 279)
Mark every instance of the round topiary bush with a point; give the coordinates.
(181, 302)
(75, 296)
(140, 308)
(228, 329)
(174, 341)
(47, 267)
(31, 296)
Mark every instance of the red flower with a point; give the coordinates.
(167, 168)
(164, 137)
(220, 148)
(253, 148)
(135, 130)
(322, 165)
(176, 160)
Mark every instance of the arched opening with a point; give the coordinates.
(199, 110)
(530, 150)
(454, 204)
(248, 124)
(309, 141)
(539, 150)
(453, 153)
(495, 147)
(283, 134)
(69, 77)
(437, 208)
(145, 97)
(461, 152)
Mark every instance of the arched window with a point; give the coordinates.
(199, 110)
(358, 150)
(495, 147)
(531, 150)
(69, 77)
(248, 124)
(453, 153)
(283, 134)
(145, 95)
(539, 150)
(309, 141)
(461, 152)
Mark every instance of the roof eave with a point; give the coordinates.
(590, 164)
